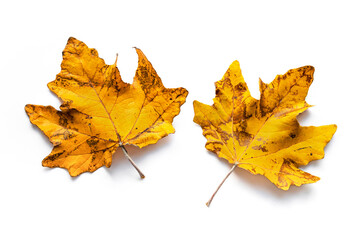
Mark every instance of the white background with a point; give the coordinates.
(191, 44)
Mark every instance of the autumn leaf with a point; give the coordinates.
(263, 136)
(100, 112)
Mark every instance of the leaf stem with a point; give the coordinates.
(132, 162)
(222, 182)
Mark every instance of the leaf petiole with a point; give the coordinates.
(222, 182)
(132, 162)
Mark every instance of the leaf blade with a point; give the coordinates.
(263, 136)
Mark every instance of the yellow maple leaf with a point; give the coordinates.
(263, 136)
(101, 113)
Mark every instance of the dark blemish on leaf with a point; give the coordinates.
(309, 79)
(62, 119)
(246, 113)
(216, 145)
(110, 83)
(298, 149)
(92, 142)
(28, 107)
(240, 87)
(225, 136)
(54, 156)
(212, 134)
(143, 71)
(68, 135)
(92, 159)
(262, 148)
(244, 138)
(66, 104)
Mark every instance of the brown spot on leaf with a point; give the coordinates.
(240, 87)
(261, 148)
(54, 156)
(62, 119)
(244, 138)
(92, 142)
